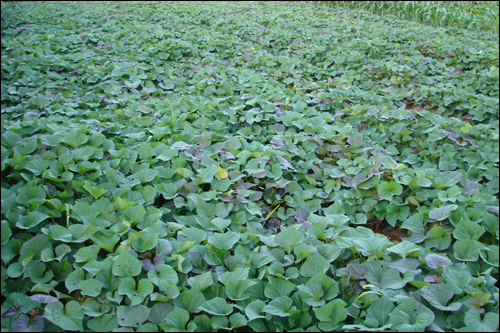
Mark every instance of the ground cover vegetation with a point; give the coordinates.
(254, 166)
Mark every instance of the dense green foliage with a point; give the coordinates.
(229, 166)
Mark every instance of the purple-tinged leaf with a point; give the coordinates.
(263, 159)
(147, 265)
(386, 152)
(279, 111)
(442, 213)
(157, 261)
(242, 199)
(260, 174)
(431, 278)
(493, 209)
(255, 110)
(196, 155)
(164, 247)
(188, 188)
(220, 269)
(338, 155)
(436, 261)
(269, 185)
(24, 324)
(282, 183)
(226, 198)
(322, 195)
(225, 155)
(306, 225)
(246, 186)
(12, 311)
(475, 303)
(44, 299)
(279, 128)
(324, 165)
(359, 178)
(355, 139)
(375, 114)
(418, 236)
(357, 270)
(455, 175)
(469, 186)
(301, 215)
(347, 181)
(240, 186)
(284, 164)
(318, 139)
(277, 143)
(333, 148)
(451, 135)
(246, 96)
(375, 172)
(180, 145)
(406, 264)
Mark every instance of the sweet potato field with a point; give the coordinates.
(248, 167)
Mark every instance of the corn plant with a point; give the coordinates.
(471, 15)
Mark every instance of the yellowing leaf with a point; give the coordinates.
(391, 165)
(401, 166)
(221, 173)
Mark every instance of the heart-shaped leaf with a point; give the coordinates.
(411, 316)
(436, 261)
(67, 317)
(439, 295)
(468, 249)
(442, 213)
(132, 315)
(24, 323)
(126, 265)
(135, 293)
(217, 306)
(386, 190)
(489, 323)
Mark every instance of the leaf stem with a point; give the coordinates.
(67, 215)
(271, 213)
